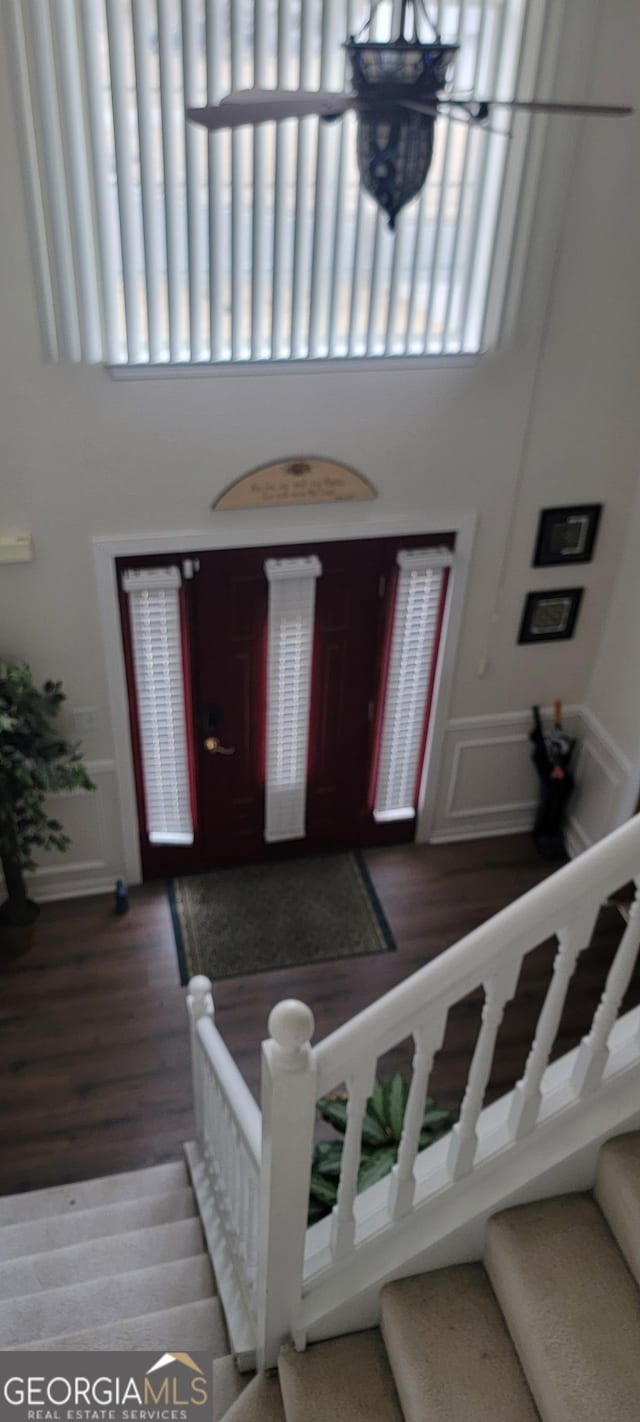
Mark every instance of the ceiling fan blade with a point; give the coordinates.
(253, 106)
(451, 116)
(532, 106)
(431, 110)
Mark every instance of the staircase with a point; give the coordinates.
(112, 1263)
(281, 1280)
(374, 1314)
(548, 1328)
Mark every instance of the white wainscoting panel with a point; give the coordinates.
(487, 783)
(94, 861)
(487, 786)
(603, 780)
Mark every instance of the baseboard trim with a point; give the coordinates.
(454, 836)
(73, 889)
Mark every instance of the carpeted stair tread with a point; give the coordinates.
(261, 1401)
(228, 1384)
(197, 1326)
(98, 1258)
(572, 1306)
(97, 1301)
(347, 1378)
(450, 1351)
(57, 1231)
(618, 1194)
(89, 1194)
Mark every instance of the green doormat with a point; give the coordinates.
(280, 915)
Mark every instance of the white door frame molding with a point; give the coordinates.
(269, 528)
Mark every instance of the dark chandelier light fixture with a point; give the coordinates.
(399, 90)
(395, 141)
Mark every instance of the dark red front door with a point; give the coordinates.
(226, 606)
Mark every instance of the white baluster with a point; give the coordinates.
(218, 1147)
(215, 1130)
(289, 1091)
(210, 1126)
(593, 1052)
(252, 1225)
(464, 1138)
(229, 1160)
(199, 1004)
(527, 1096)
(232, 1178)
(427, 1041)
(343, 1224)
(242, 1201)
(208, 1122)
(238, 1194)
(249, 1254)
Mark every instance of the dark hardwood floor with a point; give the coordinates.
(94, 1060)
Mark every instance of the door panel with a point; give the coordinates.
(230, 646)
(343, 690)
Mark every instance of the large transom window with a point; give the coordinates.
(157, 243)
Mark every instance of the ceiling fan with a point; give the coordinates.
(399, 90)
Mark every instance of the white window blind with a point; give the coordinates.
(411, 663)
(154, 611)
(156, 243)
(292, 592)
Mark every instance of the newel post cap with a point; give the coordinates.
(291, 1026)
(200, 996)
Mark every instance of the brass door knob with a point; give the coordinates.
(212, 744)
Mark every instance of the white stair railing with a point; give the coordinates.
(304, 1275)
(226, 1166)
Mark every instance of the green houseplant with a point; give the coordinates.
(35, 761)
(381, 1134)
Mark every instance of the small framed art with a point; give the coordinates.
(550, 616)
(566, 535)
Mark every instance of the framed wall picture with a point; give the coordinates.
(566, 535)
(550, 616)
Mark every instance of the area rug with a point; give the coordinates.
(285, 914)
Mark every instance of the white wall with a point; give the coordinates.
(552, 417)
(618, 660)
(613, 697)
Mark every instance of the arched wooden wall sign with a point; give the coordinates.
(308, 480)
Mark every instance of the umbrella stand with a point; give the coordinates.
(552, 757)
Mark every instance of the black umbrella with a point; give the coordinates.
(552, 758)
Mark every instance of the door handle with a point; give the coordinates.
(212, 744)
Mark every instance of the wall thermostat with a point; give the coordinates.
(16, 548)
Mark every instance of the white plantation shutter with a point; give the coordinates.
(154, 612)
(414, 647)
(292, 591)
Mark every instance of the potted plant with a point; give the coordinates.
(381, 1135)
(35, 761)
